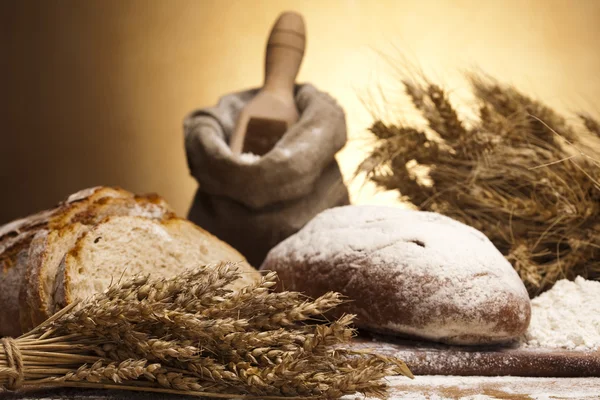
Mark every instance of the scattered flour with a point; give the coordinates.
(249, 158)
(566, 316)
(489, 388)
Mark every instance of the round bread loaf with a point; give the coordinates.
(411, 273)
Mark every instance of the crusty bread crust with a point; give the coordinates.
(80, 201)
(109, 206)
(11, 282)
(19, 233)
(16, 235)
(155, 199)
(28, 311)
(13, 232)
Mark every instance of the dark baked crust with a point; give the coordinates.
(379, 298)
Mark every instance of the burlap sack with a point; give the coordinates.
(254, 202)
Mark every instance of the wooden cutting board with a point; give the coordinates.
(437, 359)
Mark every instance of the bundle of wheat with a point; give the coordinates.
(516, 174)
(190, 335)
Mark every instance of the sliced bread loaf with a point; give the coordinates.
(87, 206)
(124, 246)
(15, 239)
(50, 246)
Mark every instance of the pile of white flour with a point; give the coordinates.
(566, 316)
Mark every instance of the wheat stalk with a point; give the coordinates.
(190, 335)
(516, 174)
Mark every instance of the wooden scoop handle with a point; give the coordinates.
(285, 50)
(274, 106)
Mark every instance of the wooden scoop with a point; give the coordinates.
(272, 111)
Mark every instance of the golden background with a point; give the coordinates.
(94, 92)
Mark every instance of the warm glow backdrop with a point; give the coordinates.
(94, 92)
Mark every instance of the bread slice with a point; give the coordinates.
(34, 254)
(14, 232)
(45, 254)
(49, 247)
(124, 246)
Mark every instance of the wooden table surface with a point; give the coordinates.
(420, 388)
